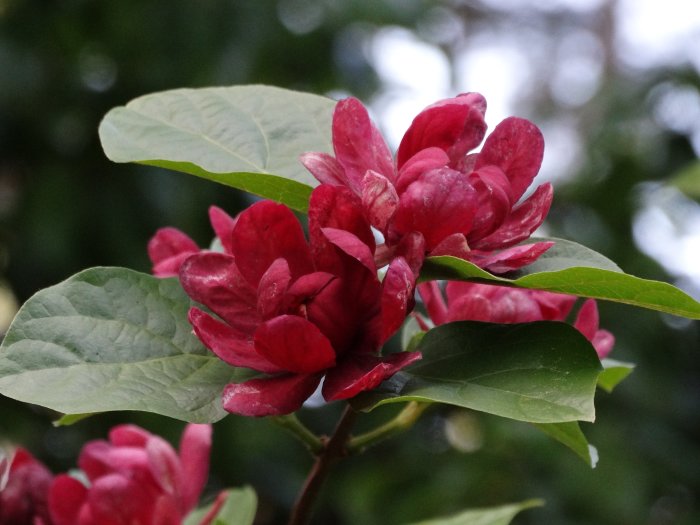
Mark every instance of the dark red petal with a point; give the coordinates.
(603, 342)
(223, 225)
(265, 232)
(272, 289)
(454, 245)
(425, 160)
(434, 302)
(495, 304)
(129, 436)
(511, 258)
(412, 248)
(195, 447)
(358, 144)
(325, 168)
(167, 249)
(306, 288)
(273, 396)
(228, 344)
(66, 497)
(294, 344)
(335, 207)
(164, 465)
(118, 499)
(455, 125)
(364, 372)
(516, 146)
(397, 296)
(213, 279)
(587, 319)
(99, 458)
(379, 198)
(555, 306)
(440, 203)
(522, 221)
(495, 203)
(351, 245)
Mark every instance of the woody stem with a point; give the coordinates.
(335, 448)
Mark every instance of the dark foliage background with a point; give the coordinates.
(64, 207)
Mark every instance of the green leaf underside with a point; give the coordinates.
(573, 269)
(543, 372)
(238, 509)
(113, 339)
(247, 137)
(614, 372)
(570, 435)
(501, 515)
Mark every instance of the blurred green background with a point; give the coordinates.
(620, 121)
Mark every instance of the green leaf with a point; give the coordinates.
(238, 509)
(570, 268)
(247, 137)
(570, 435)
(71, 419)
(613, 373)
(502, 515)
(112, 339)
(543, 372)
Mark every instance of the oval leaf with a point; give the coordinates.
(502, 515)
(112, 339)
(571, 436)
(570, 268)
(543, 372)
(247, 137)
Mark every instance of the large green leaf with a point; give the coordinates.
(238, 508)
(502, 515)
(112, 339)
(248, 137)
(570, 435)
(543, 372)
(570, 268)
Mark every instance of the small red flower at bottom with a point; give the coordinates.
(134, 478)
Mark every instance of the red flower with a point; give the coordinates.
(502, 304)
(462, 204)
(135, 478)
(300, 312)
(169, 247)
(23, 499)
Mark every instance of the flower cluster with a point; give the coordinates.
(458, 203)
(134, 478)
(299, 311)
(304, 312)
(502, 304)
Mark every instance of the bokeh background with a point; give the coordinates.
(615, 87)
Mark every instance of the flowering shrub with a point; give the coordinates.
(257, 322)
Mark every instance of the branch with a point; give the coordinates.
(334, 449)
